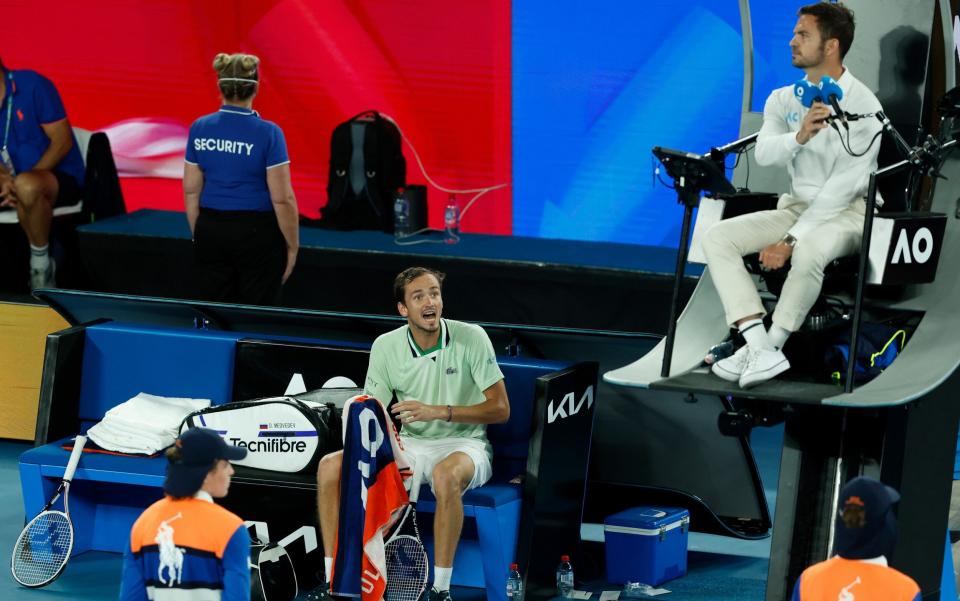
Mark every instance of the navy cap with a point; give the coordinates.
(200, 449)
(866, 526)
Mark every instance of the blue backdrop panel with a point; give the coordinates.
(772, 22)
(595, 87)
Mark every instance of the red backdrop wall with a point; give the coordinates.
(440, 68)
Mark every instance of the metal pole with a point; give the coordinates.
(861, 279)
(677, 280)
(736, 145)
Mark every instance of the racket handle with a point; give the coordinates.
(74, 457)
(417, 480)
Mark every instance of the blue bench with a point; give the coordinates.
(109, 492)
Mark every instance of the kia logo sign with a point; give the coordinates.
(568, 407)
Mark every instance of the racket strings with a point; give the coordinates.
(42, 549)
(406, 569)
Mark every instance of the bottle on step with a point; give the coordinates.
(451, 221)
(401, 214)
(564, 577)
(514, 584)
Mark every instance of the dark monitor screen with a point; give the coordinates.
(705, 173)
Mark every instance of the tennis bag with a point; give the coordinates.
(281, 434)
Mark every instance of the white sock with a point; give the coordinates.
(778, 336)
(39, 257)
(328, 568)
(441, 578)
(755, 334)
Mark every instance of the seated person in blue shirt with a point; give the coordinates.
(239, 201)
(41, 165)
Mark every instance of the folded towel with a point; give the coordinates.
(165, 412)
(144, 424)
(108, 434)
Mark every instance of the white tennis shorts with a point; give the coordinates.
(424, 455)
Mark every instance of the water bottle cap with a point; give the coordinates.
(564, 558)
(514, 566)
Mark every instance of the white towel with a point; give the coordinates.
(144, 424)
(164, 412)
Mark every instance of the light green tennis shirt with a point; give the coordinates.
(455, 372)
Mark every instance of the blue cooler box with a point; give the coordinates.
(646, 544)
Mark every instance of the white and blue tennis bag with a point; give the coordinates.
(282, 434)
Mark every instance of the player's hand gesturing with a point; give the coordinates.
(415, 411)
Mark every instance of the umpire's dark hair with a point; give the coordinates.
(408, 275)
(834, 20)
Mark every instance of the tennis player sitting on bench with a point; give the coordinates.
(448, 387)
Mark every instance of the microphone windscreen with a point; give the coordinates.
(807, 93)
(829, 87)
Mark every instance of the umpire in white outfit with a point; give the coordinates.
(819, 220)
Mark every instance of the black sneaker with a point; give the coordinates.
(436, 595)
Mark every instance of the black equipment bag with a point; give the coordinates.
(272, 576)
(102, 196)
(381, 172)
(282, 434)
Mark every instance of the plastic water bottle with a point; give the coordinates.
(564, 577)
(514, 584)
(719, 352)
(401, 215)
(451, 221)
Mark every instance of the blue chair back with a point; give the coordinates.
(120, 361)
(511, 440)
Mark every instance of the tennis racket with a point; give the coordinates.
(407, 564)
(43, 547)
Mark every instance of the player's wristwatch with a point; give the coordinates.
(790, 240)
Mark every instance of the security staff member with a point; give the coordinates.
(238, 197)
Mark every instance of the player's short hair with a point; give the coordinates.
(833, 21)
(408, 275)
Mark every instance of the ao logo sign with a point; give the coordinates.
(567, 407)
(371, 437)
(922, 247)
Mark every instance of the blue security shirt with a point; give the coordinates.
(36, 102)
(234, 148)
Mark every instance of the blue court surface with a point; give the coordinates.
(731, 571)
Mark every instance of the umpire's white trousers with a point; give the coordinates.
(729, 240)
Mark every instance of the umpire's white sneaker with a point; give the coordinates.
(732, 367)
(762, 365)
